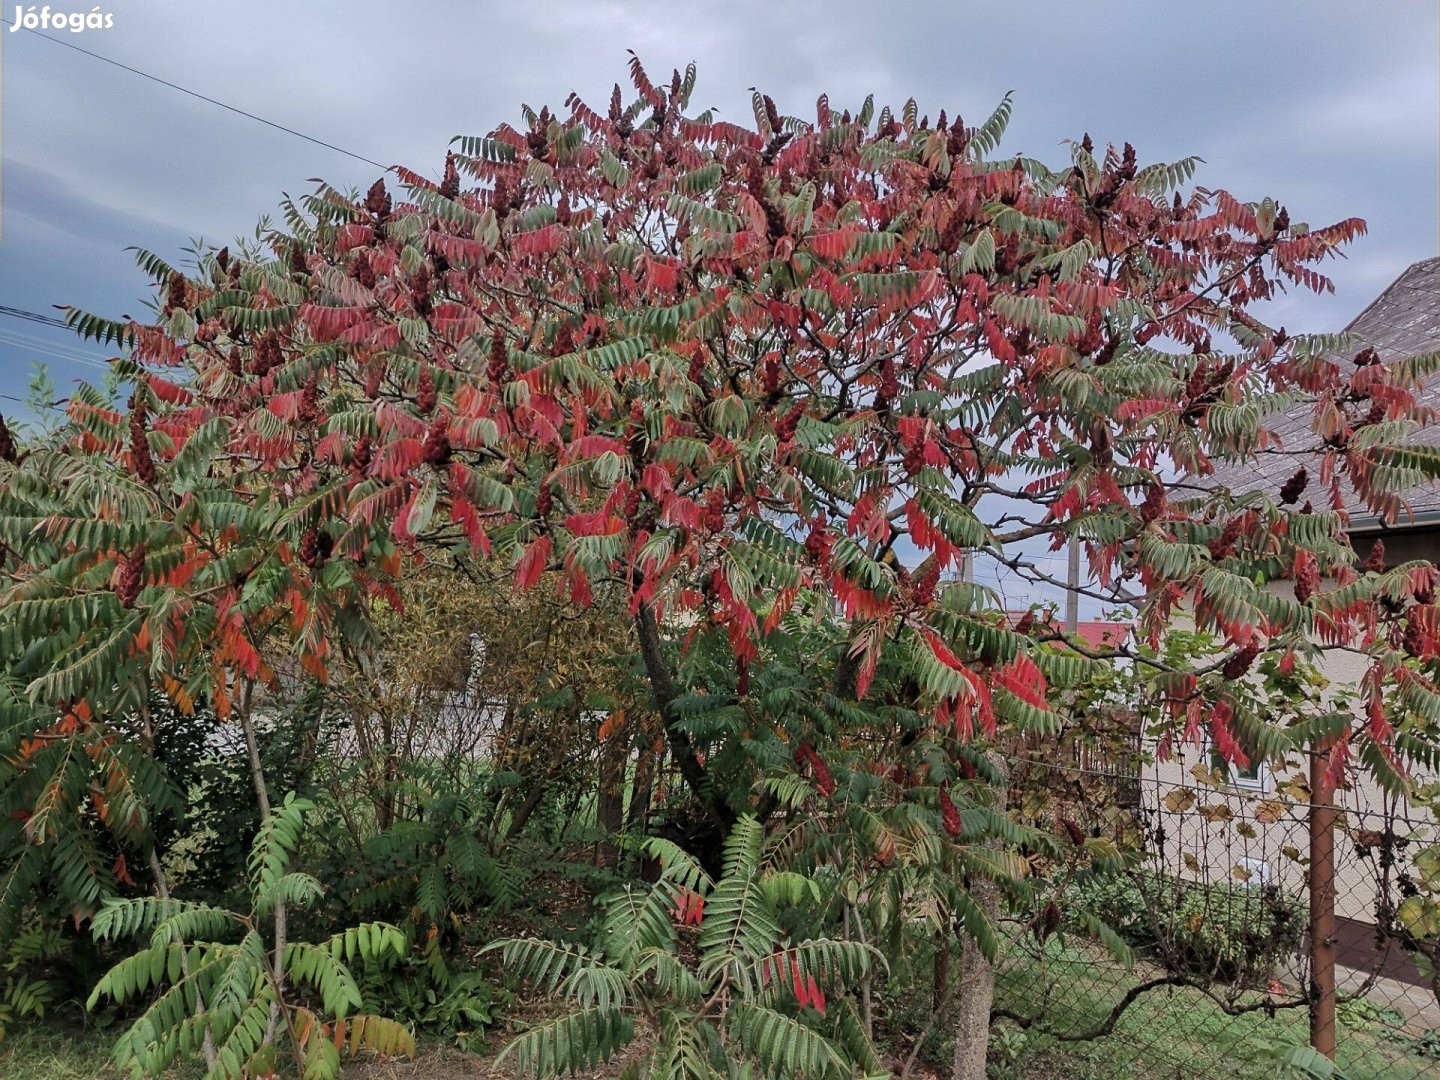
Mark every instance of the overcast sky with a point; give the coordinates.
(1330, 107)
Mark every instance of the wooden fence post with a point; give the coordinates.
(1322, 905)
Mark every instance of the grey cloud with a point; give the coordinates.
(1329, 106)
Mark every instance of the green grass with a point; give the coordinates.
(51, 1052)
(1171, 1031)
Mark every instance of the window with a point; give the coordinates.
(1253, 872)
(1253, 777)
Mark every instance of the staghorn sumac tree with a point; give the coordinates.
(715, 367)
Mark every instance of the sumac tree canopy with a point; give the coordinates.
(710, 366)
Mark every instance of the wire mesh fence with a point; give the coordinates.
(1194, 956)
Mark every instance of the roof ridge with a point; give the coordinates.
(1383, 293)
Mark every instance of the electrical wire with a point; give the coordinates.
(40, 341)
(50, 320)
(18, 342)
(32, 316)
(199, 96)
(52, 406)
(53, 348)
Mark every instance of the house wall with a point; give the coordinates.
(1245, 833)
(1245, 837)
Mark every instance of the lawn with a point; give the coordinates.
(1173, 1031)
(50, 1052)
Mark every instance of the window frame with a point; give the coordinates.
(1260, 783)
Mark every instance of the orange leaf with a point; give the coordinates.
(612, 724)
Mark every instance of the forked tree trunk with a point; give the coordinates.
(975, 995)
(662, 686)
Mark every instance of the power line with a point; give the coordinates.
(32, 316)
(22, 345)
(53, 406)
(41, 339)
(49, 343)
(45, 406)
(17, 341)
(30, 342)
(201, 97)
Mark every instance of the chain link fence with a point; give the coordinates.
(1193, 955)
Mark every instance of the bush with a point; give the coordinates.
(1235, 930)
(1124, 902)
(218, 817)
(1228, 930)
(424, 992)
(194, 952)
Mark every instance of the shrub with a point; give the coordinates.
(1228, 930)
(423, 991)
(208, 826)
(23, 993)
(747, 999)
(1121, 902)
(215, 984)
(1233, 930)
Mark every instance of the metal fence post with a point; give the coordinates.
(1322, 905)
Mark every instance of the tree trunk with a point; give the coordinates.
(867, 1002)
(973, 1001)
(162, 884)
(637, 815)
(976, 993)
(610, 799)
(940, 980)
(662, 685)
(262, 797)
(525, 809)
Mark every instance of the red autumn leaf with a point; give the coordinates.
(532, 564)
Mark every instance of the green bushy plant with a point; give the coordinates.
(448, 854)
(1235, 930)
(425, 991)
(445, 865)
(1427, 1043)
(211, 830)
(218, 987)
(741, 998)
(443, 860)
(1229, 930)
(25, 993)
(1121, 902)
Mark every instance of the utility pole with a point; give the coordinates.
(1322, 904)
(1072, 592)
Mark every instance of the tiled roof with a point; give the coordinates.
(1103, 634)
(1096, 634)
(1400, 322)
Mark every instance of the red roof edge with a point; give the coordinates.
(1096, 633)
